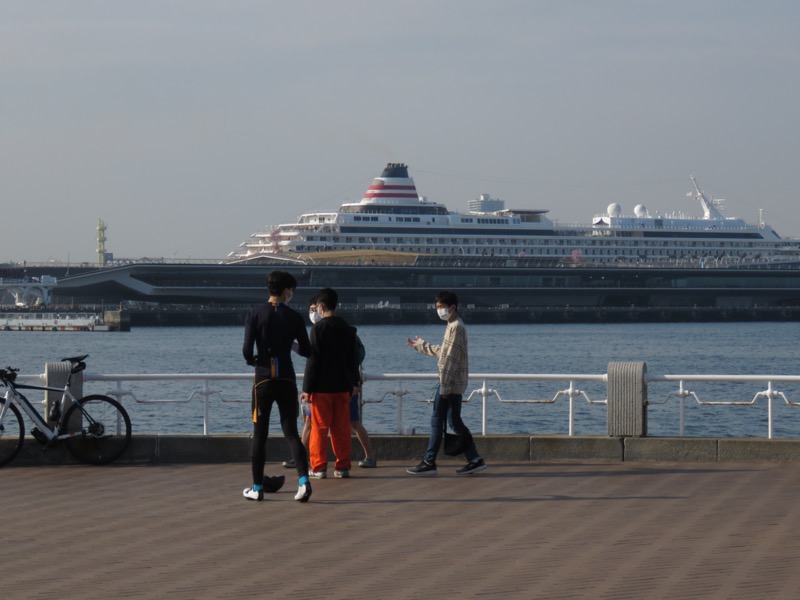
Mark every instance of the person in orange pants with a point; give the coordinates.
(330, 376)
(330, 413)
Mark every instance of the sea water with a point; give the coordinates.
(667, 348)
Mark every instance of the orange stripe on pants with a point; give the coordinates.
(330, 412)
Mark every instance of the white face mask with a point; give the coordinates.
(444, 313)
(314, 317)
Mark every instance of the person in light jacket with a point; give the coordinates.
(453, 361)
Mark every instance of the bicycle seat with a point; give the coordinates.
(77, 363)
(75, 359)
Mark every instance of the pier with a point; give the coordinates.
(569, 517)
(517, 530)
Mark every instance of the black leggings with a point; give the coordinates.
(283, 393)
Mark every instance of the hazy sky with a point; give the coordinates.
(188, 125)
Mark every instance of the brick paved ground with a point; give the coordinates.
(514, 531)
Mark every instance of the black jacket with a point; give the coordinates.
(272, 329)
(333, 364)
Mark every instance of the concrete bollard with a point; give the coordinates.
(627, 399)
(55, 375)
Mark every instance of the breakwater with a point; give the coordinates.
(193, 316)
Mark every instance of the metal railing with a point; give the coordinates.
(770, 393)
(402, 394)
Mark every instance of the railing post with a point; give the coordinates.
(683, 408)
(571, 393)
(627, 399)
(484, 390)
(400, 411)
(770, 394)
(56, 375)
(206, 415)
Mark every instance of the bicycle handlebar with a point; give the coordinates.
(8, 375)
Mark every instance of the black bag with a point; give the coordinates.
(455, 444)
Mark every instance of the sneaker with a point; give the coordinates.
(289, 464)
(423, 468)
(475, 466)
(318, 474)
(303, 493)
(343, 474)
(368, 463)
(252, 494)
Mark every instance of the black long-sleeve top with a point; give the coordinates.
(271, 329)
(333, 364)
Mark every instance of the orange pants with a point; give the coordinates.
(330, 412)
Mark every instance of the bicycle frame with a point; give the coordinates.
(13, 395)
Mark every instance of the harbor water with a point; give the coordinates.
(763, 348)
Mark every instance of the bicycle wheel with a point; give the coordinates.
(99, 430)
(12, 433)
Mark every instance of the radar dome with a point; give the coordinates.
(614, 210)
(640, 211)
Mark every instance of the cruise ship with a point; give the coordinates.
(393, 217)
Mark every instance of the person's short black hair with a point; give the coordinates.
(328, 297)
(278, 281)
(447, 298)
(312, 300)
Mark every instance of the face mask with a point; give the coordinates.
(444, 313)
(314, 317)
(288, 298)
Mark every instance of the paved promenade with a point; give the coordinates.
(517, 530)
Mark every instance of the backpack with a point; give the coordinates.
(360, 351)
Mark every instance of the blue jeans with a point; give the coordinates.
(449, 407)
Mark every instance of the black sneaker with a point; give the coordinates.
(423, 468)
(476, 466)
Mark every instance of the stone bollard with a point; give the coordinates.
(55, 375)
(627, 399)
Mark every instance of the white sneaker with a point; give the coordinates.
(318, 474)
(252, 494)
(303, 493)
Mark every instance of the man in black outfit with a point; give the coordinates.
(330, 376)
(272, 328)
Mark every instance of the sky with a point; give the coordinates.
(187, 125)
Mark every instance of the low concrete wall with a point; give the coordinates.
(182, 449)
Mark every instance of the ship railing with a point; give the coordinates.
(771, 388)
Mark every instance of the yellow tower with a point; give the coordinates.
(101, 243)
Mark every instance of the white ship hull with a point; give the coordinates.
(391, 216)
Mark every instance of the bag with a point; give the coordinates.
(360, 351)
(455, 444)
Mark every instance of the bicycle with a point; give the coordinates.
(96, 429)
